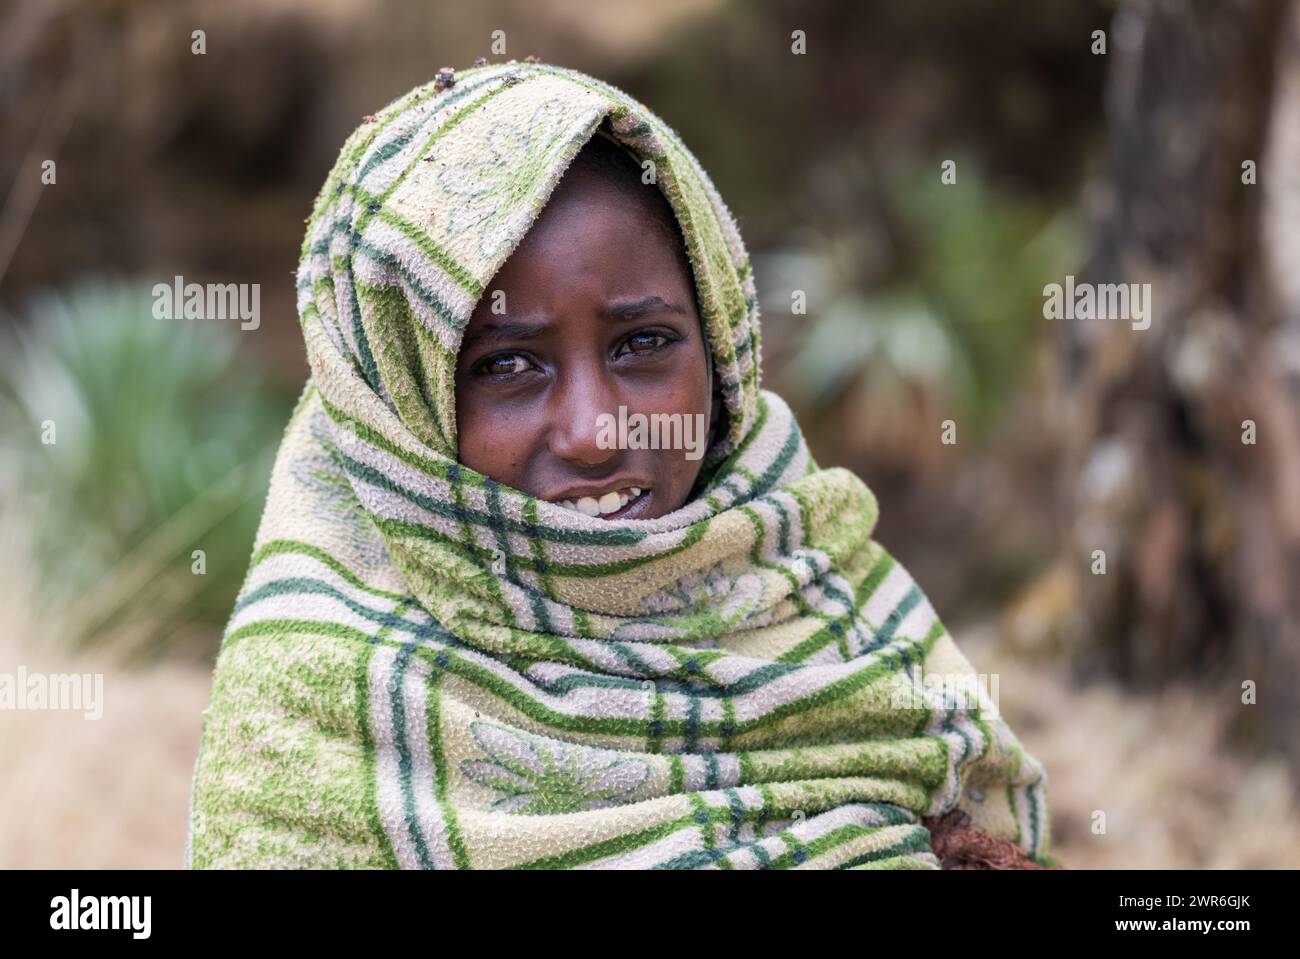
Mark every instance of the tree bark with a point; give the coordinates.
(1200, 528)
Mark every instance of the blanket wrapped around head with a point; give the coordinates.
(426, 668)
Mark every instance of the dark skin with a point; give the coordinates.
(599, 312)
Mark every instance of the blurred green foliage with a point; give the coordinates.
(163, 437)
(959, 312)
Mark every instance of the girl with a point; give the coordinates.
(545, 578)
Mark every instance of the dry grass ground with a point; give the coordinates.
(111, 792)
(1173, 795)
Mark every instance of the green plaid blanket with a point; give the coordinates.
(429, 669)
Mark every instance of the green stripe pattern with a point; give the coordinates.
(429, 669)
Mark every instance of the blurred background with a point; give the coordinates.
(1163, 693)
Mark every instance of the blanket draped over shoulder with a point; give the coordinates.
(429, 669)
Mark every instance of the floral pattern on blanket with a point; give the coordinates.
(478, 191)
(544, 776)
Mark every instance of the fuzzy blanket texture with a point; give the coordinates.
(429, 669)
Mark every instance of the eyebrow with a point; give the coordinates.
(640, 308)
(508, 329)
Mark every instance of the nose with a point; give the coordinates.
(574, 415)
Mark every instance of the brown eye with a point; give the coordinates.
(645, 342)
(504, 364)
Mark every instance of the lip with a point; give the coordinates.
(634, 509)
(631, 511)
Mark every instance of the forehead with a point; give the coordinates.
(593, 222)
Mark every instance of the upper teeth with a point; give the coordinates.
(610, 502)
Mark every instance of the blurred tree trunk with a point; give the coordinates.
(1200, 529)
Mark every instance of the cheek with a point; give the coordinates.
(496, 457)
(691, 398)
(491, 438)
(685, 389)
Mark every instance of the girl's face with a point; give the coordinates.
(598, 312)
